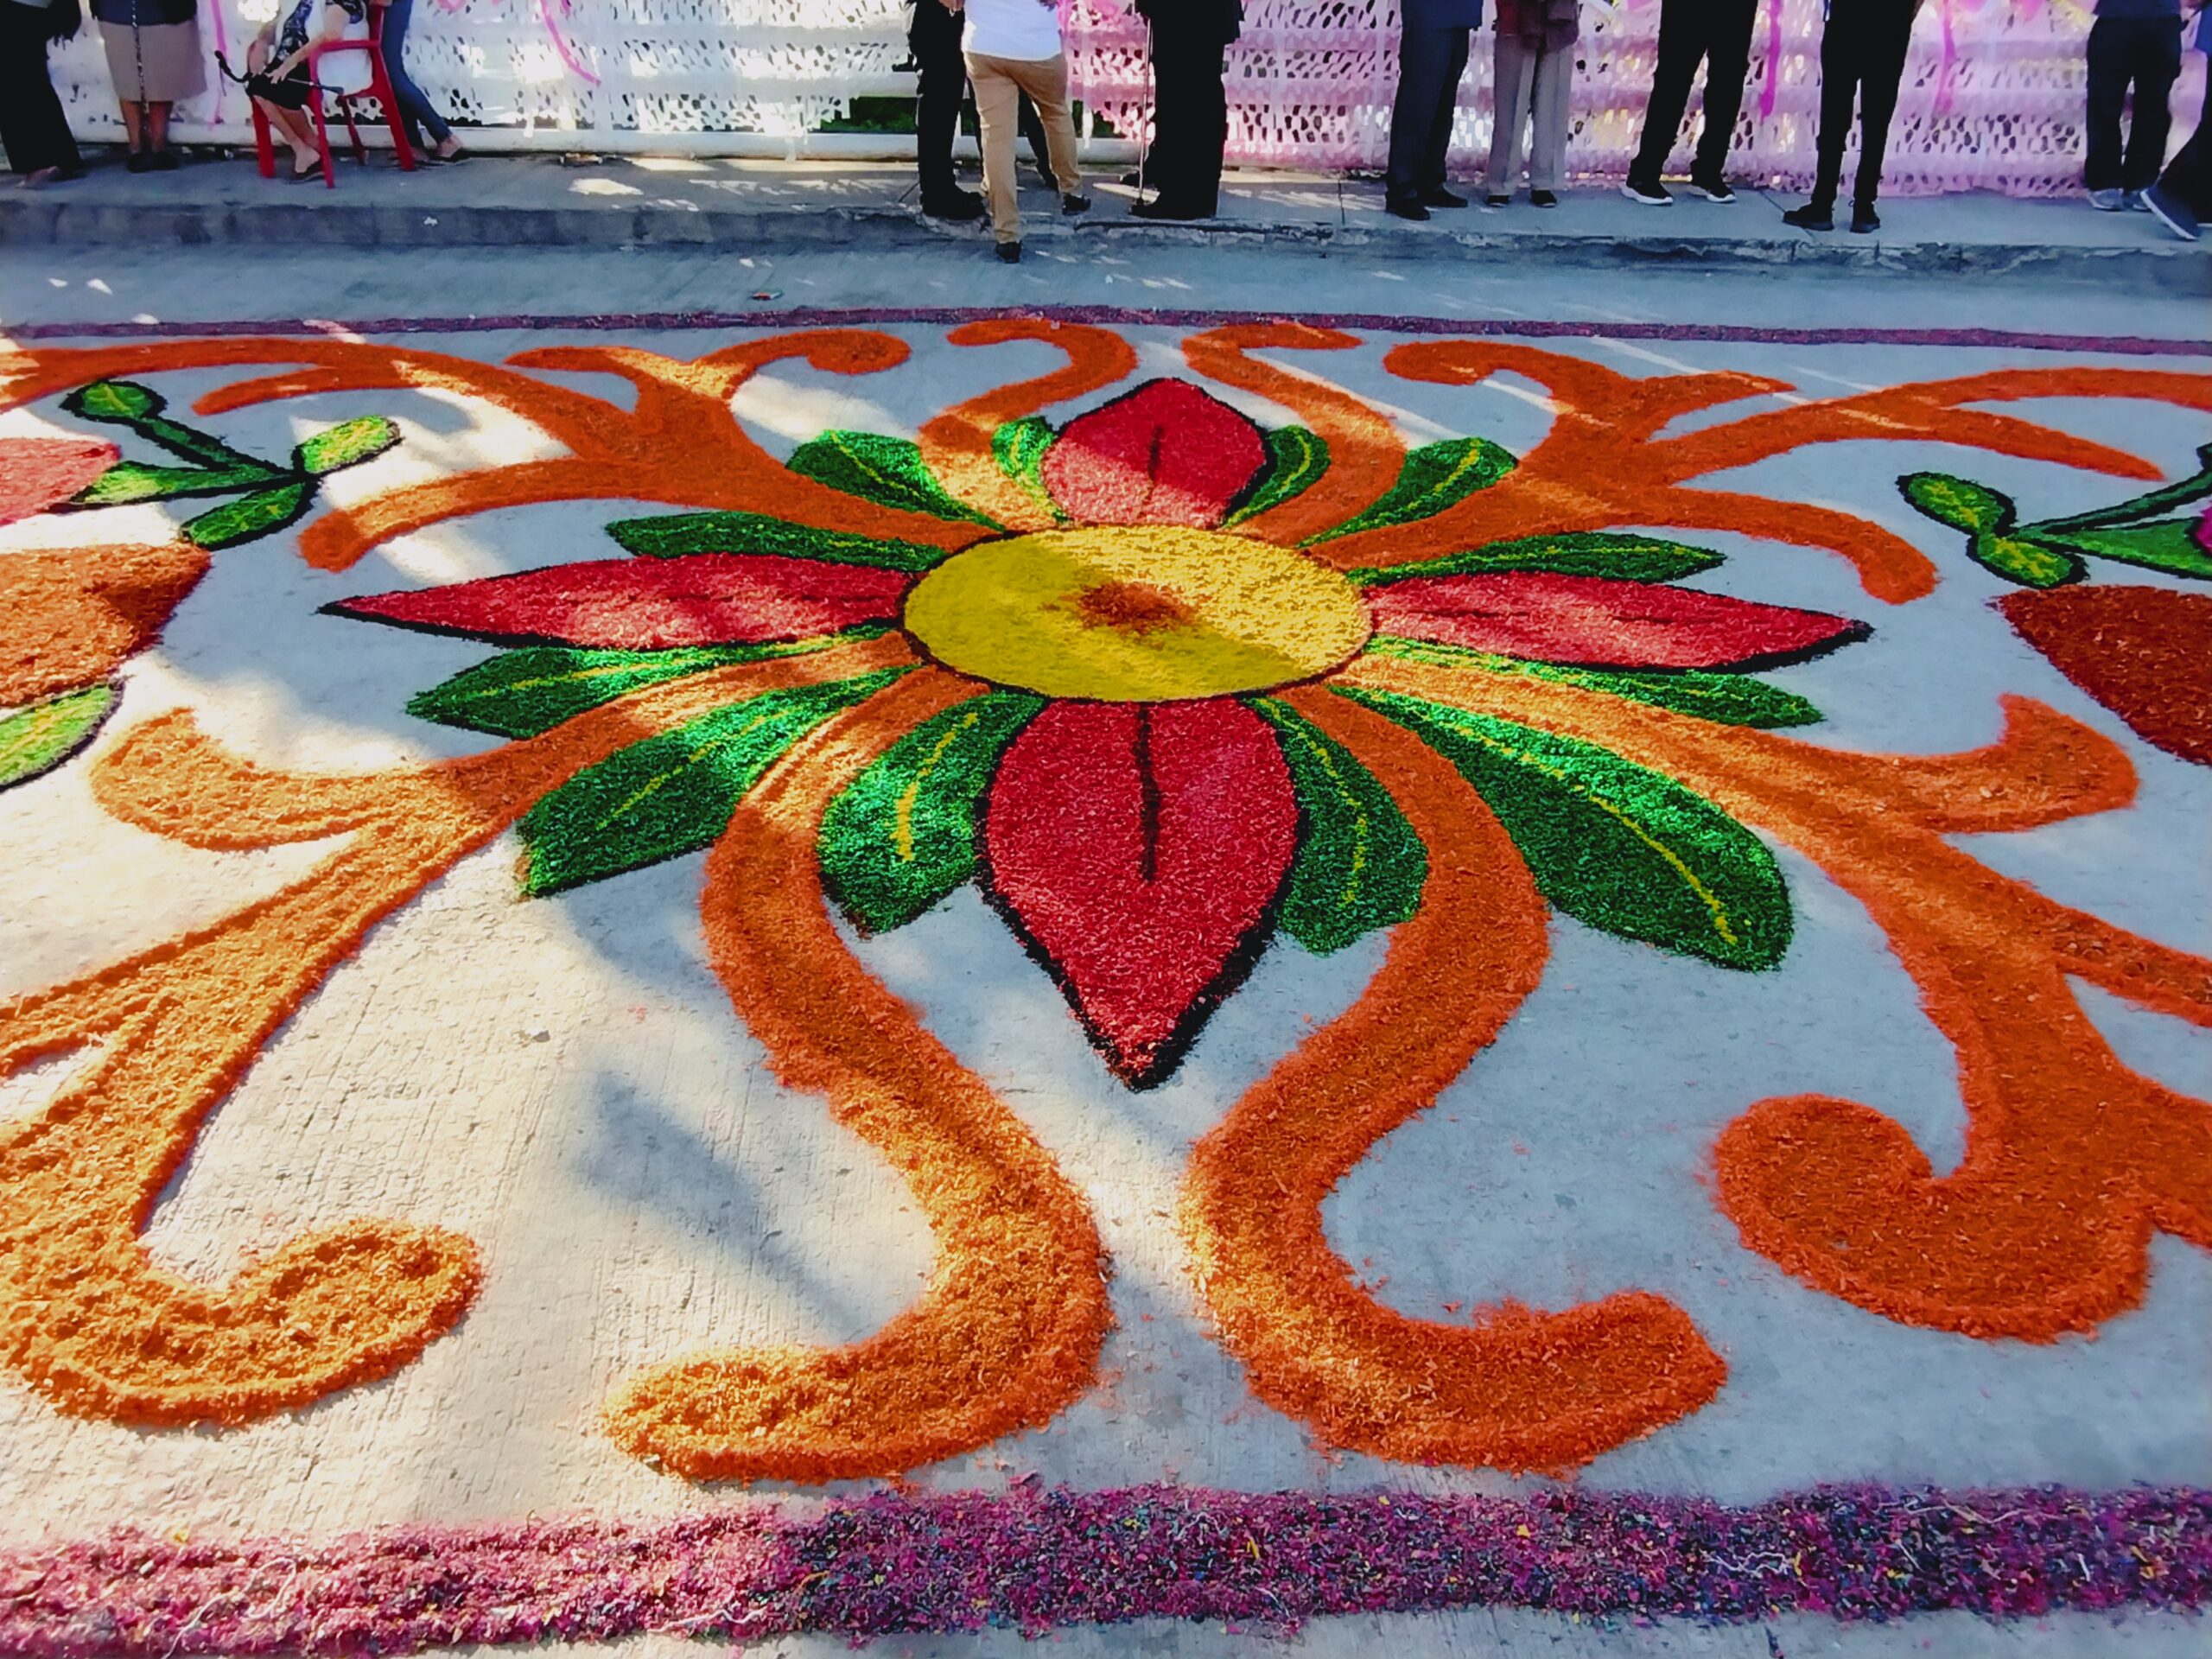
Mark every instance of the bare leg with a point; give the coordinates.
(294, 129)
(133, 126)
(157, 125)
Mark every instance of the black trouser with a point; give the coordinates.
(934, 38)
(1430, 63)
(1190, 117)
(1862, 56)
(2188, 175)
(2144, 51)
(1718, 34)
(32, 127)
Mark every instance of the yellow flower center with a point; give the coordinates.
(1143, 614)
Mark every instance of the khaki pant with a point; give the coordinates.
(1531, 86)
(997, 81)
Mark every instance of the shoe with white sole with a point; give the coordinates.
(2108, 202)
(1713, 190)
(1653, 195)
(2171, 212)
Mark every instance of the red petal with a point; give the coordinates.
(36, 473)
(705, 599)
(1137, 847)
(1596, 622)
(2146, 653)
(1167, 454)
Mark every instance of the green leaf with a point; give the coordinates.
(904, 836)
(128, 481)
(251, 517)
(1587, 553)
(2170, 545)
(671, 536)
(2164, 498)
(1434, 477)
(118, 402)
(41, 736)
(2018, 558)
(1612, 843)
(1359, 865)
(1958, 502)
(889, 472)
(1296, 459)
(673, 793)
(1019, 448)
(523, 693)
(347, 444)
(1728, 699)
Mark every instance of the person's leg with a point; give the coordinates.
(1727, 60)
(1167, 156)
(1551, 89)
(1838, 92)
(1045, 85)
(417, 115)
(1422, 59)
(2157, 63)
(1878, 97)
(1513, 81)
(1437, 155)
(2107, 65)
(2188, 175)
(33, 129)
(157, 127)
(134, 127)
(1682, 43)
(1209, 129)
(934, 38)
(995, 94)
(1033, 130)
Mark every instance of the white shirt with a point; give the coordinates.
(1025, 30)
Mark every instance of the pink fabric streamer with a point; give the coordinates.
(1771, 83)
(1946, 73)
(560, 42)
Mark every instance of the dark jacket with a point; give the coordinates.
(1207, 21)
(145, 13)
(1441, 14)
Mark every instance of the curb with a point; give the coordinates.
(55, 222)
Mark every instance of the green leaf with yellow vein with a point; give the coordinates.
(903, 836)
(1611, 844)
(250, 517)
(1729, 699)
(347, 444)
(130, 480)
(1019, 448)
(673, 793)
(1359, 864)
(889, 472)
(1433, 476)
(677, 535)
(40, 737)
(1585, 553)
(1958, 502)
(1296, 459)
(2167, 544)
(523, 693)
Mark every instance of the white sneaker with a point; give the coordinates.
(2108, 202)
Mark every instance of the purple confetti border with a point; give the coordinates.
(1037, 1560)
(1126, 316)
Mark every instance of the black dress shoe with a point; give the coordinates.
(1863, 219)
(1811, 217)
(960, 206)
(1182, 212)
(1441, 197)
(1009, 253)
(161, 161)
(1543, 199)
(1404, 207)
(139, 161)
(1075, 204)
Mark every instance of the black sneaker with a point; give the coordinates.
(1714, 189)
(1653, 195)
(960, 206)
(1178, 212)
(1543, 199)
(1404, 207)
(1075, 204)
(1811, 217)
(1864, 220)
(1441, 197)
(1496, 199)
(2171, 212)
(1009, 253)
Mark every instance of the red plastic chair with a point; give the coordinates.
(379, 88)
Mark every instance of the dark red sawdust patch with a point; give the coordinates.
(1594, 622)
(1167, 454)
(706, 598)
(1137, 850)
(2146, 653)
(1134, 606)
(36, 473)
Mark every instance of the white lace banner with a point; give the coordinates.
(1993, 97)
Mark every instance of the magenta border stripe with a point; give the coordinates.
(821, 317)
(1038, 1560)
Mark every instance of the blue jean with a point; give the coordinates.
(415, 111)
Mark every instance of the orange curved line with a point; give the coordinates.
(956, 445)
(1520, 1390)
(85, 1316)
(1009, 1329)
(1364, 449)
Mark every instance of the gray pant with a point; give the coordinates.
(1532, 86)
